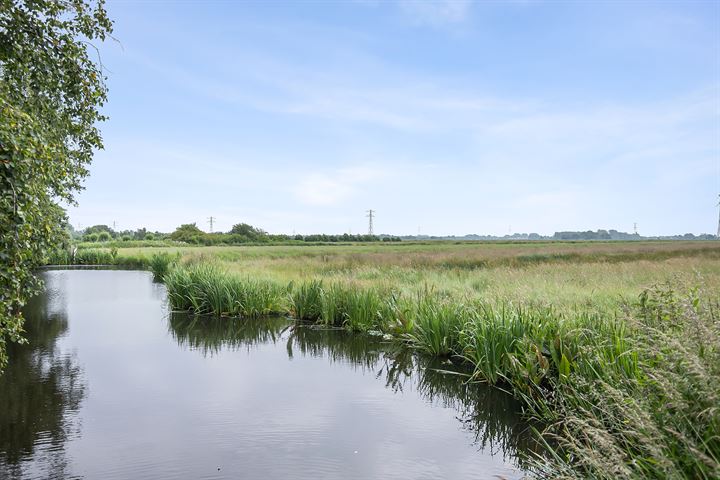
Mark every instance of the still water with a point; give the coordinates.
(114, 386)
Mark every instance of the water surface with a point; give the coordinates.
(113, 386)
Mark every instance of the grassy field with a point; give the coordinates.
(567, 274)
(614, 346)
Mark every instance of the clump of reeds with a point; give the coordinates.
(349, 306)
(160, 264)
(438, 325)
(306, 300)
(206, 289)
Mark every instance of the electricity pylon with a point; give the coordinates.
(718, 232)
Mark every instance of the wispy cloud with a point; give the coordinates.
(333, 187)
(436, 12)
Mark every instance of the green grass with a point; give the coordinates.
(660, 419)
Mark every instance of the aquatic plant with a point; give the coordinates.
(438, 325)
(306, 300)
(205, 288)
(160, 263)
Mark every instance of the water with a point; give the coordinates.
(114, 386)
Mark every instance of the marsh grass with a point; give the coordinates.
(207, 289)
(661, 420)
(438, 325)
(160, 264)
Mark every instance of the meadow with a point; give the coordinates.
(614, 347)
(558, 274)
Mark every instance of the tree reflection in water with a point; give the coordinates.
(490, 415)
(40, 394)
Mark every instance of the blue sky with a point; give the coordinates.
(447, 117)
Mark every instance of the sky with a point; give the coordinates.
(445, 117)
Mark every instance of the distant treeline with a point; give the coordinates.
(241, 233)
(244, 233)
(568, 235)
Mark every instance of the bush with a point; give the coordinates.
(104, 237)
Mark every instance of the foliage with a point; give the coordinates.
(160, 264)
(99, 229)
(243, 233)
(248, 231)
(188, 232)
(50, 94)
(206, 289)
(662, 420)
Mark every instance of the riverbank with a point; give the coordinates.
(615, 347)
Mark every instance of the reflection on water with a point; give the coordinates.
(112, 386)
(490, 415)
(40, 394)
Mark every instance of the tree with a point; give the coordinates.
(187, 233)
(248, 231)
(51, 91)
(100, 228)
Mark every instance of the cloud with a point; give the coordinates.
(436, 13)
(331, 188)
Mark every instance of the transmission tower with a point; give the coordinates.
(635, 228)
(210, 221)
(718, 232)
(370, 214)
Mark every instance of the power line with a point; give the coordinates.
(211, 219)
(370, 214)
